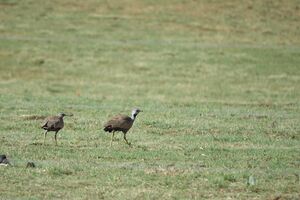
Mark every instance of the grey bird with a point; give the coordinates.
(4, 160)
(121, 123)
(54, 123)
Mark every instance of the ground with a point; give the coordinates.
(218, 81)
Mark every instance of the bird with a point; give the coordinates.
(54, 123)
(121, 123)
(4, 160)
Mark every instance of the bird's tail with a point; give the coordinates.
(44, 125)
(108, 129)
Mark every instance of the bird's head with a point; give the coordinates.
(135, 112)
(64, 114)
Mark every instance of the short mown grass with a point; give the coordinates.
(219, 83)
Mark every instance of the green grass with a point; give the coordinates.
(219, 83)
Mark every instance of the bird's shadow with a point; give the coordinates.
(37, 144)
(42, 144)
(142, 147)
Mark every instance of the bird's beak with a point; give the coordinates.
(141, 111)
(70, 115)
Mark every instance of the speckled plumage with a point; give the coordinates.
(53, 123)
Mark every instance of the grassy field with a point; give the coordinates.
(219, 83)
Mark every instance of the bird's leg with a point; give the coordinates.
(112, 137)
(45, 134)
(55, 137)
(126, 140)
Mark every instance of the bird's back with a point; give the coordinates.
(53, 123)
(119, 123)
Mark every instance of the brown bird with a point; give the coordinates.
(54, 123)
(121, 123)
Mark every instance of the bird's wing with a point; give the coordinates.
(119, 121)
(51, 122)
(45, 123)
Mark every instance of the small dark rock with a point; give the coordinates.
(39, 61)
(30, 165)
(4, 160)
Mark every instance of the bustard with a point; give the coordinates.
(54, 123)
(121, 123)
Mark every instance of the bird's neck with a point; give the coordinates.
(133, 116)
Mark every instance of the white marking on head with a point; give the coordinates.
(135, 112)
(61, 114)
